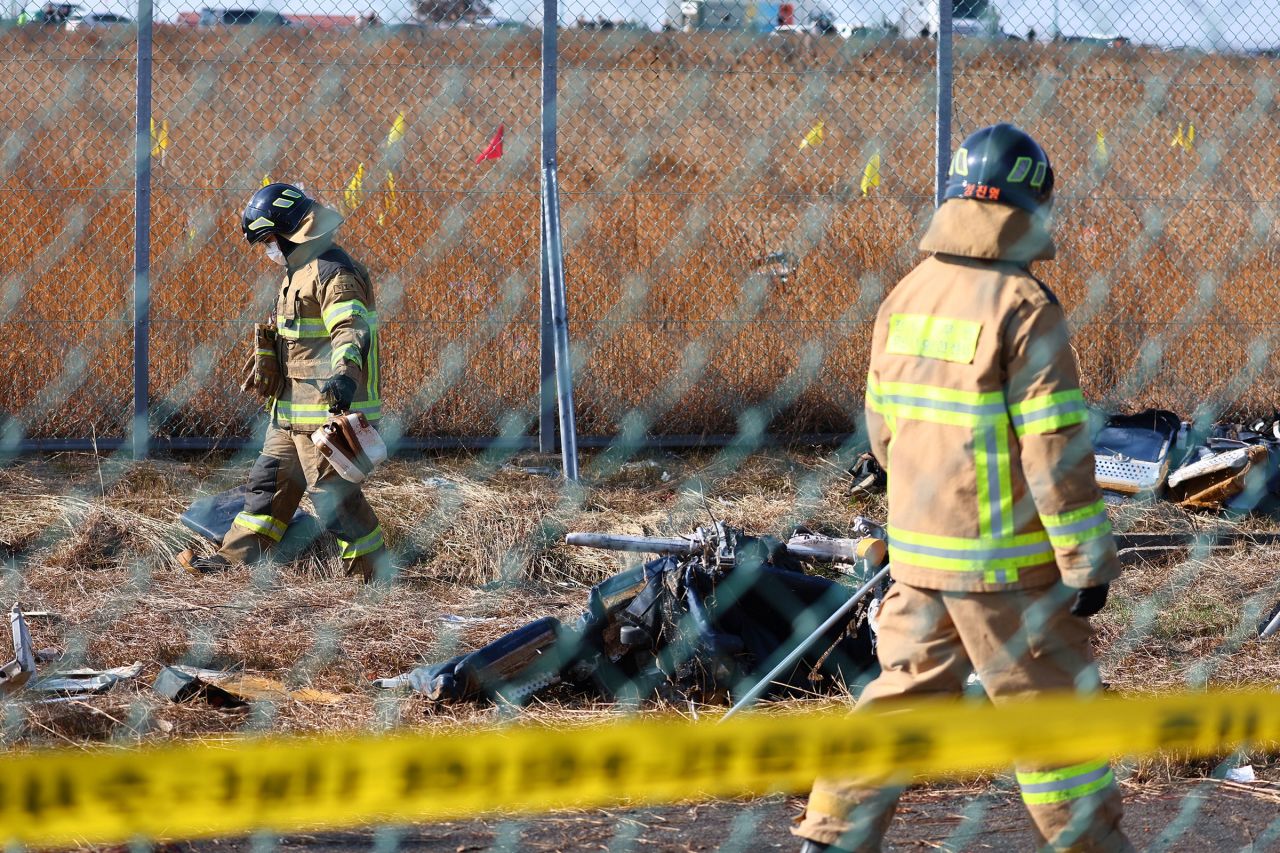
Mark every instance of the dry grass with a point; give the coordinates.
(665, 209)
(95, 547)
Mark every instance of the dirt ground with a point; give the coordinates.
(479, 540)
(1189, 816)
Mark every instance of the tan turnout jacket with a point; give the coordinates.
(326, 324)
(974, 409)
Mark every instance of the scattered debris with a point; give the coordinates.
(1211, 481)
(439, 482)
(231, 690)
(705, 620)
(455, 619)
(15, 674)
(76, 682)
(1242, 774)
(1131, 453)
(211, 517)
(533, 470)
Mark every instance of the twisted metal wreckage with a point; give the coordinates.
(724, 615)
(712, 617)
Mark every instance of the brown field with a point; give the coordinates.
(679, 167)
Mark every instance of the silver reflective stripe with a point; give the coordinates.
(1068, 408)
(942, 405)
(1078, 526)
(993, 480)
(1066, 784)
(973, 554)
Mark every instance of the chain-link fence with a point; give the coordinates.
(742, 185)
(737, 194)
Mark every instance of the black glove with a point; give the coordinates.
(338, 391)
(1090, 600)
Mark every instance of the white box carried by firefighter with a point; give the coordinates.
(351, 445)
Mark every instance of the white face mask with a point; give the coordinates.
(274, 253)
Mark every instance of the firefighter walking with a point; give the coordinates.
(998, 536)
(319, 356)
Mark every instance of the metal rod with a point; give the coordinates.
(560, 320)
(763, 684)
(945, 80)
(141, 421)
(547, 372)
(553, 250)
(546, 331)
(1272, 627)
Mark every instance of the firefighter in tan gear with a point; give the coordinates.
(318, 357)
(998, 536)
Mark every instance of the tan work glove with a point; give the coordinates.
(262, 371)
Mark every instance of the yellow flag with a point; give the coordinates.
(1100, 154)
(397, 130)
(266, 179)
(814, 137)
(354, 193)
(388, 200)
(159, 138)
(1179, 140)
(871, 174)
(1191, 138)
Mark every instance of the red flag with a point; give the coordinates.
(494, 149)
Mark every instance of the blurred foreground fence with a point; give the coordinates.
(740, 184)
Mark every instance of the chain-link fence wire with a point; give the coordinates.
(866, 236)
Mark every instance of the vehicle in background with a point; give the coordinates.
(96, 20)
(968, 18)
(239, 17)
(52, 14)
(1097, 40)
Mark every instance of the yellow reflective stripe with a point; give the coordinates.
(1068, 783)
(936, 404)
(340, 311)
(1048, 412)
(997, 558)
(994, 481)
(926, 336)
(346, 352)
(1004, 475)
(265, 352)
(265, 525)
(937, 392)
(298, 328)
(1077, 526)
(364, 545)
(317, 413)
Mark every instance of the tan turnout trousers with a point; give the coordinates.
(1020, 642)
(288, 467)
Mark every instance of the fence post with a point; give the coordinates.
(141, 429)
(554, 300)
(546, 331)
(945, 79)
(547, 368)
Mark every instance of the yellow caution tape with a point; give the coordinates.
(59, 798)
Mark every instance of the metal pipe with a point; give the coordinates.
(141, 421)
(560, 321)
(553, 251)
(945, 80)
(763, 684)
(546, 330)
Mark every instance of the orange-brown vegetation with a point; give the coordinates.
(680, 168)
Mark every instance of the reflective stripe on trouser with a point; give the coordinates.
(1021, 643)
(289, 466)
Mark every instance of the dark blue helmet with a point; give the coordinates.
(1001, 164)
(275, 209)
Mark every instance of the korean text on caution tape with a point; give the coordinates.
(229, 787)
